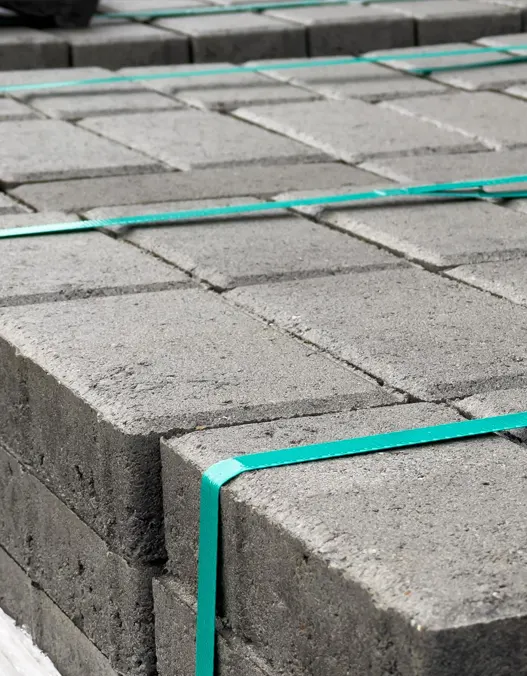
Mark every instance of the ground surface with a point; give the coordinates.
(130, 362)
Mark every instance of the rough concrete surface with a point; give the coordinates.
(394, 556)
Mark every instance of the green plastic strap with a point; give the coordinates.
(234, 9)
(297, 65)
(222, 472)
(458, 189)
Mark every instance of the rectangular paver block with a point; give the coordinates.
(367, 81)
(23, 48)
(503, 278)
(368, 562)
(119, 44)
(221, 92)
(199, 139)
(33, 150)
(439, 233)
(348, 29)
(259, 181)
(518, 41)
(452, 20)
(40, 269)
(86, 414)
(108, 599)
(437, 340)
(354, 130)
(496, 120)
(238, 37)
(251, 249)
(77, 102)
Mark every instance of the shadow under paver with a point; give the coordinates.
(238, 37)
(354, 130)
(504, 278)
(415, 330)
(199, 139)
(496, 120)
(41, 269)
(442, 233)
(249, 250)
(220, 92)
(52, 149)
(451, 20)
(365, 565)
(82, 101)
(367, 81)
(88, 386)
(256, 180)
(348, 29)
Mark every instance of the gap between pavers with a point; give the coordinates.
(88, 386)
(503, 278)
(362, 563)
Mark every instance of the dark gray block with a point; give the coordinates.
(238, 37)
(415, 330)
(59, 150)
(87, 387)
(494, 119)
(23, 48)
(175, 613)
(365, 565)
(119, 44)
(259, 181)
(42, 269)
(354, 130)
(252, 249)
(348, 29)
(106, 598)
(194, 139)
(454, 20)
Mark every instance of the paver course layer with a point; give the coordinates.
(422, 333)
(86, 414)
(257, 248)
(39, 270)
(256, 180)
(27, 48)
(200, 139)
(389, 561)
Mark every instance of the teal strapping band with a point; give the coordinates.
(222, 472)
(297, 65)
(234, 9)
(457, 190)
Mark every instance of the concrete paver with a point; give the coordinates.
(416, 331)
(223, 92)
(199, 139)
(11, 110)
(131, 373)
(238, 251)
(354, 130)
(56, 268)
(491, 118)
(238, 37)
(505, 278)
(348, 29)
(402, 544)
(33, 150)
(10, 206)
(24, 48)
(255, 180)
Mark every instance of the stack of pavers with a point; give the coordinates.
(130, 362)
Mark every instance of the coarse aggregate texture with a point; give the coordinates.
(267, 330)
(363, 563)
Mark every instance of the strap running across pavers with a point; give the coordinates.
(297, 65)
(471, 189)
(224, 471)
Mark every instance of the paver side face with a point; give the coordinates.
(24, 48)
(250, 249)
(199, 139)
(363, 562)
(116, 372)
(436, 340)
(353, 130)
(49, 149)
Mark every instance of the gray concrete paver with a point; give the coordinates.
(504, 278)
(24, 48)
